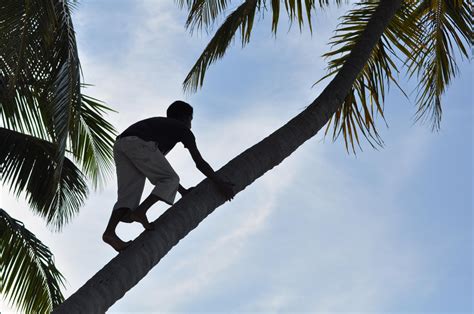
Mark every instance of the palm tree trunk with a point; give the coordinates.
(126, 270)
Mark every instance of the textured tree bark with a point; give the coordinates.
(129, 267)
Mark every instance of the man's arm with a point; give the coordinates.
(224, 187)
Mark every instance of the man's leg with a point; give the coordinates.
(126, 216)
(130, 184)
(151, 163)
(109, 236)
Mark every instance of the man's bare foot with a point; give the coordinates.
(140, 217)
(126, 217)
(115, 242)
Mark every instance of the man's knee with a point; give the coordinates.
(171, 179)
(121, 210)
(174, 179)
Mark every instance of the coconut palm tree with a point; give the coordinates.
(46, 124)
(427, 32)
(424, 38)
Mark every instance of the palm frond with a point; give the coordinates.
(92, 141)
(242, 18)
(40, 66)
(366, 100)
(428, 33)
(29, 279)
(66, 94)
(204, 13)
(21, 113)
(27, 164)
(40, 85)
(299, 10)
(24, 65)
(446, 32)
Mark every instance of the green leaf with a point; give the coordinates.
(40, 86)
(41, 66)
(27, 164)
(29, 279)
(241, 18)
(445, 34)
(366, 100)
(92, 140)
(204, 13)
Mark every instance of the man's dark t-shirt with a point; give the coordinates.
(166, 132)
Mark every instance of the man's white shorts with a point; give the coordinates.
(135, 160)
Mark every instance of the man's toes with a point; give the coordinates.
(146, 224)
(141, 218)
(149, 226)
(124, 246)
(115, 242)
(126, 217)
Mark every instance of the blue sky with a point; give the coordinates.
(386, 231)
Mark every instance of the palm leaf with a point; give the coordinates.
(92, 140)
(41, 67)
(24, 65)
(21, 113)
(446, 32)
(204, 13)
(65, 91)
(241, 18)
(298, 10)
(29, 278)
(365, 102)
(428, 33)
(27, 164)
(40, 85)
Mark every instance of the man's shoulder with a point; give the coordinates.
(158, 121)
(176, 124)
(147, 120)
(165, 121)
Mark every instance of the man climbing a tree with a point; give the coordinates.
(139, 153)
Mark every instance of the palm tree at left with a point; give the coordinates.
(53, 140)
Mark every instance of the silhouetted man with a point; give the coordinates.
(139, 153)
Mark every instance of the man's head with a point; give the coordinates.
(181, 111)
